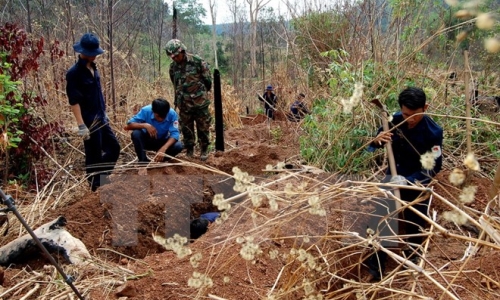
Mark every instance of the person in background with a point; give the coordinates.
(191, 78)
(416, 135)
(84, 92)
(269, 99)
(298, 109)
(155, 128)
(200, 226)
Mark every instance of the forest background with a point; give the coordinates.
(322, 50)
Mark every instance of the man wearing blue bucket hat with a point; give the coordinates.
(270, 99)
(83, 88)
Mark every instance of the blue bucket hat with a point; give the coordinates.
(269, 88)
(88, 45)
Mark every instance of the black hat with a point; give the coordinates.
(88, 45)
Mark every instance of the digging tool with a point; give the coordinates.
(388, 146)
(262, 99)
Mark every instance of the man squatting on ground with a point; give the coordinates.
(84, 92)
(191, 78)
(156, 128)
(298, 109)
(418, 135)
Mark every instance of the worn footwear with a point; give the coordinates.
(204, 153)
(190, 152)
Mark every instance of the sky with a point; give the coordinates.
(223, 15)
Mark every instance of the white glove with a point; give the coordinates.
(84, 132)
(398, 180)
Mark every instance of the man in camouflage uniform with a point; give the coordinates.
(192, 80)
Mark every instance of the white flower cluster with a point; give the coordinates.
(306, 259)
(176, 243)
(457, 177)
(455, 216)
(357, 95)
(249, 249)
(273, 254)
(308, 287)
(200, 280)
(289, 189)
(310, 291)
(255, 194)
(484, 21)
(468, 194)
(471, 162)
(273, 204)
(226, 279)
(195, 260)
(220, 202)
(428, 160)
(242, 179)
(316, 208)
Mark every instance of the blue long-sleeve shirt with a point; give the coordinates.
(169, 127)
(409, 144)
(84, 89)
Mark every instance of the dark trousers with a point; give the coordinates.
(101, 153)
(143, 141)
(200, 117)
(411, 224)
(269, 112)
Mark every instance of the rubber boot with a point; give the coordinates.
(190, 152)
(204, 153)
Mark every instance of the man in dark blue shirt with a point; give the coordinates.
(87, 104)
(416, 134)
(200, 225)
(270, 99)
(298, 109)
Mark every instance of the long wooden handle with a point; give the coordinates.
(390, 155)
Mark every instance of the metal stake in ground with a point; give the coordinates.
(9, 202)
(219, 119)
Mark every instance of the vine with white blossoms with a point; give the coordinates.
(470, 10)
(458, 178)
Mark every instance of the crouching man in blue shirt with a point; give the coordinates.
(155, 128)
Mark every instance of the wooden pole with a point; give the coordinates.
(390, 155)
(468, 102)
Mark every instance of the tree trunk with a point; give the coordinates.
(111, 65)
(214, 35)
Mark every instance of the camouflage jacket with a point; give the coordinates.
(192, 80)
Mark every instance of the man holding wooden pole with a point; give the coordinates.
(416, 142)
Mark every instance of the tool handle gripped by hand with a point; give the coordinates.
(388, 147)
(262, 99)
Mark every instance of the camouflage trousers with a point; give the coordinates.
(187, 120)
